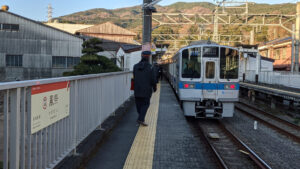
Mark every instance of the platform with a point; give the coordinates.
(281, 91)
(168, 141)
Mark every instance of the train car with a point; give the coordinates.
(205, 78)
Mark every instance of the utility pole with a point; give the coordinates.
(297, 38)
(148, 8)
(293, 49)
(216, 25)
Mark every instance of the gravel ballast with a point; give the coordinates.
(277, 150)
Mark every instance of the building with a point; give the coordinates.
(112, 37)
(280, 50)
(109, 31)
(71, 28)
(32, 50)
(128, 56)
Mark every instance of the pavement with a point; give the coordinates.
(167, 143)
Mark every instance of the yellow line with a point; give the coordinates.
(142, 150)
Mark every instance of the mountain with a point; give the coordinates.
(131, 17)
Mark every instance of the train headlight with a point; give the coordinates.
(230, 86)
(189, 86)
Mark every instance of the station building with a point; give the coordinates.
(32, 50)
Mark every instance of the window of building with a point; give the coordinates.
(284, 53)
(9, 27)
(277, 54)
(64, 62)
(14, 60)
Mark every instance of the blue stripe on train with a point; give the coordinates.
(209, 86)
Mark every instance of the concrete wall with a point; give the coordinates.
(37, 44)
(287, 79)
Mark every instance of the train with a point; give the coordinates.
(205, 77)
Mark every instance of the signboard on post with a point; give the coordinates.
(49, 104)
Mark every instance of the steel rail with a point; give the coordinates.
(280, 130)
(248, 151)
(292, 125)
(217, 155)
(258, 161)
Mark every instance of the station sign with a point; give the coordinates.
(49, 104)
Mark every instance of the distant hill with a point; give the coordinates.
(131, 17)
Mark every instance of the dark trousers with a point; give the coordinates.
(142, 105)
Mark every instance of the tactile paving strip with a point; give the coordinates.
(142, 149)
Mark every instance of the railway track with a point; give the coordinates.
(230, 151)
(282, 126)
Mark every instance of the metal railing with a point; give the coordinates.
(287, 79)
(93, 98)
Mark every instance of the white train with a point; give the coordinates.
(205, 78)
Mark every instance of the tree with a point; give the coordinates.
(91, 62)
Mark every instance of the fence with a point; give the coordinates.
(287, 79)
(93, 98)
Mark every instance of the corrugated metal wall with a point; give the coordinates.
(37, 43)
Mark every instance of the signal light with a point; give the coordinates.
(232, 86)
(186, 85)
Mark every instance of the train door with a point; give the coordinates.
(210, 78)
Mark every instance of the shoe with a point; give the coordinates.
(142, 123)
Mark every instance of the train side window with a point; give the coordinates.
(210, 70)
(191, 63)
(229, 64)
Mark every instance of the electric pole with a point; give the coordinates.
(147, 22)
(148, 8)
(297, 33)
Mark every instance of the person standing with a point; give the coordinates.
(144, 84)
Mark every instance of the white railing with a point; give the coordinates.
(287, 79)
(93, 98)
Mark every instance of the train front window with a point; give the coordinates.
(191, 63)
(229, 64)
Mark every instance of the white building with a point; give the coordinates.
(266, 64)
(128, 56)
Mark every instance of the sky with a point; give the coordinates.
(37, 9)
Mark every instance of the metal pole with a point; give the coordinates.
(297, 38)
(216, 26)
(252, 37)
(147, 25)
(293, 49)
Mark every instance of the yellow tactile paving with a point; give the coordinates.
(142, 150)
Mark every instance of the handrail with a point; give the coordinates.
(27, 83)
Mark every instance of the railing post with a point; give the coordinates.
(6, 128)
(75, 117)
(14, 129)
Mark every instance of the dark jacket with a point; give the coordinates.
(156, 71)
(144, 79)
